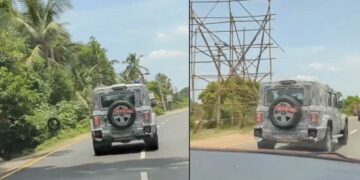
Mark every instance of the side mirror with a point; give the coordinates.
(153, 103)
(340, 104)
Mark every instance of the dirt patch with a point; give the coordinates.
(225, 141)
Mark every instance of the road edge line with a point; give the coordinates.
(26, 165)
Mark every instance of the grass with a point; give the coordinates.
(82, 128)
(209, 133)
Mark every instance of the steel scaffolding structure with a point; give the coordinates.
(227, 40)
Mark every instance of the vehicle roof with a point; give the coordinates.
(300, 82)
(106, 88)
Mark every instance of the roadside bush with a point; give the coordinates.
(210, 124)
(69, 113)
(158, 111)
(192, 123)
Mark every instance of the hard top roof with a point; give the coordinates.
(105, 88)
(299, 82)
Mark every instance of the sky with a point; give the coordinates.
(320, 39)
(157, 29)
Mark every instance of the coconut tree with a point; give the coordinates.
(39, 21)
(133, 68)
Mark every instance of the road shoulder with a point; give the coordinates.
(223, 141)
(10, 167)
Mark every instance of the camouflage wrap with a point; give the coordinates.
(136, 130)
(316, 97)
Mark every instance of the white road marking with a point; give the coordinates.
(144, 176)
(140, 169)
(352, 132)
(142, 155)
(158, 126)
(180, 163)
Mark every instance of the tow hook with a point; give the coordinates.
(147, 130)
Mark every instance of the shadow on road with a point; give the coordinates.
(126, 148)
(130, 148)
(305, 147)
(103, 170)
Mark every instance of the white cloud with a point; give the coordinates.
(305, 77)
(317, 49)
(352, 61)
(320, 66)
(163, 36)
(181, 30)
(162, 54)
(334, 69)
(316, 65)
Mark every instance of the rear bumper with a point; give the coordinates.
(313, 134)
(121, 136)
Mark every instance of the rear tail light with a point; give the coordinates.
(314, 118)
(96, 121)
(147, 116)
(259, 118)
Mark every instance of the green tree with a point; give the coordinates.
(238, 98)
(39, 22)
(349, 104)
(93, 56)
(133, 68)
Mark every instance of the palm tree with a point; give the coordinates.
(133, 68)
(39, 21)
(6, 6)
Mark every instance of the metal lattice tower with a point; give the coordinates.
(227, 40)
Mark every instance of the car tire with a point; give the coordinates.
(266, 144)
(101, 148)
(128, 105)
(295, 118)
(343, 140)
(326, 143)
(152, 143)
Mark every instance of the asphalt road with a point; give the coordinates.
(219, 165)
(242, 165)
(126, 161)
(352, 149)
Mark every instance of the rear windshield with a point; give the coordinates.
(296, 93)
(108, 99)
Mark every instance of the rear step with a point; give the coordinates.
(337, 136)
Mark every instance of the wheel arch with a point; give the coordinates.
(330, 124)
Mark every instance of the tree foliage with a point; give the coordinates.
(230, 102)
(349, 103)
(43, 73)
(133, 70)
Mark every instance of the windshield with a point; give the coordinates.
(108, 99)
(234, 92)
(296, 93)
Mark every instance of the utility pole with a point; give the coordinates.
(218, 102)
(162, 97)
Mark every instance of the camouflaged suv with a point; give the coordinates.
(122, 113)
(299, 111)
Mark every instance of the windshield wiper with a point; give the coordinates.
(319, 155)
(330, 153)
